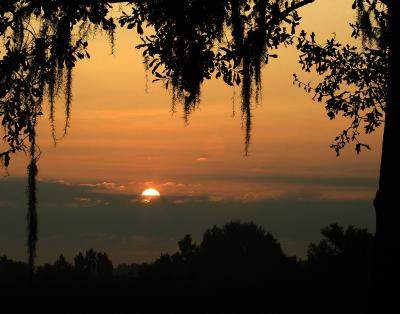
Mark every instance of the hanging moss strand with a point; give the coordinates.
(32, 220)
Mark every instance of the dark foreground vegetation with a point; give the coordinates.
(234, 268)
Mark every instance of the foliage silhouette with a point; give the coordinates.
(342, 254)
(353, 85)
(38, 54)
(370, 97)
(92, 263)
(235, 268)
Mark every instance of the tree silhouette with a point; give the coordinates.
(187, 248)
(350, 248)
(340, 266)
(93, 263)
(232, 263)
(61, 264)
(241, 251)
(238, 267)
(374, 99)
(194, 41)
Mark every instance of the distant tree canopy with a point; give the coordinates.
(237, 267)
(342, 253)
(94, 263)
(238, 252)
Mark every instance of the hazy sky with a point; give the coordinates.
(124, 139)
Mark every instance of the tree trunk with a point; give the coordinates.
(387, 240)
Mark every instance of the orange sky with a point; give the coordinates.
(120, 133)
(124, 136)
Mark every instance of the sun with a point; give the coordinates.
(151, 192)
(150, 195)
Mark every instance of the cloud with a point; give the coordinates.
(86, 202)
(104, 186)
(367, 182)
(201, 159)
(171, 184)
(133, 231)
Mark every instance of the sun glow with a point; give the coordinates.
(150, 195)
(151, 192)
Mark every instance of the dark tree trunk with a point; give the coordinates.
(387, 240)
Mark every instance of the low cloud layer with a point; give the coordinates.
(75, 217)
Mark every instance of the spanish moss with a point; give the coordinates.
(173, 99)
(246, 102)
(111, 37)
(51, 96)
(68, 99)
(18, 34)
(31, 217)
(371, 22)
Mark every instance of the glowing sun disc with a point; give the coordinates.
(150, 192)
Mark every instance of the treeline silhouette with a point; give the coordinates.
(232, 265)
